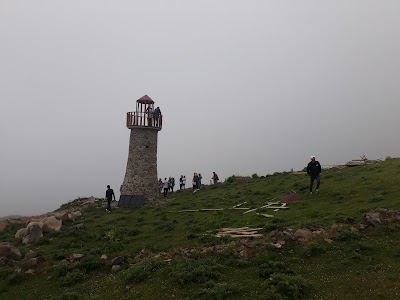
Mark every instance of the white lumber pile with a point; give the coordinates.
(243, 232)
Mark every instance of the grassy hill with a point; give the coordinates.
(175, 255)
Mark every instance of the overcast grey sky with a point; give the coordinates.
(245, 87)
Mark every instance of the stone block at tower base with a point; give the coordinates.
(130, 201)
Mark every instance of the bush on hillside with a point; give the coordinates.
(231, 179)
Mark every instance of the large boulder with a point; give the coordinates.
(31, 224)
(9, 251)
(76, 214)
(35, 235)
(20, 234)
(52, 224)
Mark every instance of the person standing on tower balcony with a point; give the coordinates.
(109, 196)
(157, 114)
(150, 115)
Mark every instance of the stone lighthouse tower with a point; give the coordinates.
(140, 184)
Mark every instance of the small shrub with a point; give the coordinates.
(312, 250)
(71, 296)
(231, 179)
(140, 272)
(89, 263)
(5, 273)
(376, 198)
(255, 175)
(282, 286)
(15, 278)
(72, 278)
(217, 292)
(268, 268)
(349, 236)
(195, 271)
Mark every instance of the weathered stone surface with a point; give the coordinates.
(35, 234)
(79, 226)
(119, 260)
(76, 214)
(141, 170)
(32, 262)
(75, 258)
(9, 251)
(30, 224)
(31, 254)
(20, 234)
(303, 235)
(65, 216)
(104, 257)
(373, 218)
(115, 268)
(52, 224)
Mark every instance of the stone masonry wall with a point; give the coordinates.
(141, 170)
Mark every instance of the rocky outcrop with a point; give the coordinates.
(52, 224)
(35, 234)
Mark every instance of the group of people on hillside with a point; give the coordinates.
(166, 185)
(313, 170)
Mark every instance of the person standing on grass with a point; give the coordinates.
(199, 181)
(109, 195)
(313, 170)
(165, 187)
(171, 184)
(181, 182)
(184, 182)
(195, 181)
(215, 178)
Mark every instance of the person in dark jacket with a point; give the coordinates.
(313, 170)
(109, 195)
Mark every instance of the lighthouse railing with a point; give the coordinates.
(143, 119)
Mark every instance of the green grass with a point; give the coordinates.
(356, 265)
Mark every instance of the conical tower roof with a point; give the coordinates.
(145, 99)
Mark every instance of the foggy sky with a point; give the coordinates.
(244, 86)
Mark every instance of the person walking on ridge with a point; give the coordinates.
(314, 171)
(109, 195)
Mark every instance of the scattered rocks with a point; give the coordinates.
(104, 257)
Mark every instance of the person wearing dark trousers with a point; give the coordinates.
(314, 171)
(109, 196)
(165, 187)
